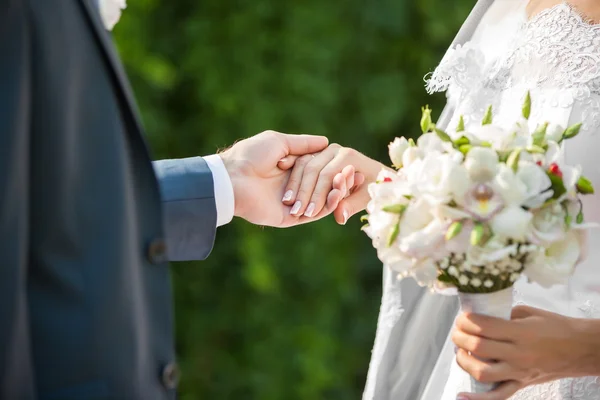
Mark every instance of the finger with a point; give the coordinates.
(291, 189)
(488, 327)
(325, 183)
(333, 199)
(348, 172)
(287, 162)
(356, 202)
(486, 371)
(316, 169)
(482, 347)
(302, 144)
(503, 392)
(520, 312)
(359, 179)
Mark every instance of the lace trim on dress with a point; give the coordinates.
(557, 48)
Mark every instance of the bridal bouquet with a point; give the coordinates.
(472, 209)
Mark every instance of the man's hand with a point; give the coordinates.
(259, 175)
(536, 346)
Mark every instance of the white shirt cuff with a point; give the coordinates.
(224, 198)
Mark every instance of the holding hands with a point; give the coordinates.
(284, 180)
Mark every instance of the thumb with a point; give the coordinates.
(300, 145)
(287, 162)
(354, 203)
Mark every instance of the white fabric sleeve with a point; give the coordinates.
(224, 197)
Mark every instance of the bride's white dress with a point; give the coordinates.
(556, 56)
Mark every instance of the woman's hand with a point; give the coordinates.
(536, 346)
(314, 176)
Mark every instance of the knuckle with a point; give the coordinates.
(303, 160)
(326, 175)
(311, 169)
(481, 373)
(347, 152)
(476, 344)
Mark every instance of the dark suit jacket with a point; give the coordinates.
(85, 297)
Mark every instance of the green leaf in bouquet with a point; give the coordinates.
(426, 119)
(477, 234)
(487, 118)
(364, 218)
(513, 159)
(579, 217)
(584, 186)
(395, 209)
(535, 149)
(461, 124)
(485, 144)
(462, 140)
(411, 142)
(443, 135)
(539, 135)
(557, 185)
(393, 234)
(572, 131)
(527, 106)
(465, 148)
(454, 230)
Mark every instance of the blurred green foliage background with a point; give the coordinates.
(281, 314)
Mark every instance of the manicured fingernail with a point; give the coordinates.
(345, 214)
(310, 210)
(296, 208)
(288, 195)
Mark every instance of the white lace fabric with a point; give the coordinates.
(556, 56)
(556, 49)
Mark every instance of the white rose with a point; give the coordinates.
(421, 234)
(110, 11)
(554, 133)
(512, 222)
(511, 188)
(571, 176)
(434, 177)
(556, 264)
(553, 155)
(411, 155)
(397, 149)
(430, 142)
(548, 225)
(536, 183)
(482, 164)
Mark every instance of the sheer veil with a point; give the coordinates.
(412, 339)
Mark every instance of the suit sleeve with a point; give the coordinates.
(189, 208)
(16, 372)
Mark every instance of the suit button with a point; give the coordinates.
(170, 376)
(157, 251)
